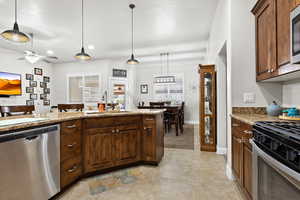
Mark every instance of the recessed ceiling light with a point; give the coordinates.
(50, 52)
(91, 47)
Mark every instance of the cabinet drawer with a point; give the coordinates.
(71, 170)
(127, 120)
(70, 145)
(99, 122)
(70, 127)
(149, 120)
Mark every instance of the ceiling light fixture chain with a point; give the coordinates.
(132, 60)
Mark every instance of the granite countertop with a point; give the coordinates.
(252, 118)
(52, 118)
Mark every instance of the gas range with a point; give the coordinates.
(281, 140)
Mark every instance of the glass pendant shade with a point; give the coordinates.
(132, 61)
(82, 55)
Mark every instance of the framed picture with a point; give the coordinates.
(46, 90)
(120, 73)
(33, 96)
(29, 90)
(43, 96)
(119, 89)
(46, 79)
(29, 102)
(43, 85)
(29, 77)
(32, 83)
(144, 89)
(46, 102)
(38, 71)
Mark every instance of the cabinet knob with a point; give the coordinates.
(240, 140)
(72, 126)
(248, 132)
(73, 169)
(113, 131)
(117, 130)
(71, 145)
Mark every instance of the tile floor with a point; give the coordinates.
(183, 174)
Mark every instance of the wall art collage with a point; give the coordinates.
(37, 88)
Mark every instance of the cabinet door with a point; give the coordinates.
(283, 32)
(236, 157)
(126, 146)
(149, 143)
(247, 170)
(98, 151)
(266, 62)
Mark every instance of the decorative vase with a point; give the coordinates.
(274, 109)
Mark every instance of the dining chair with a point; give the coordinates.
(66, 107)
(181, 115)
(173, 119)
(16, 110)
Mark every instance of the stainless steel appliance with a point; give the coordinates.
(30, 164)
(295, 35)
(276, 161)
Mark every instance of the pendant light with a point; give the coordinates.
(132, 60)
(15, 35)
(82, 55)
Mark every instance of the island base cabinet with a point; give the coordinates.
(98, 151)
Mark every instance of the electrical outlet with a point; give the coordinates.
(249, 97)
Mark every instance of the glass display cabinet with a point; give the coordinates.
(207, 108)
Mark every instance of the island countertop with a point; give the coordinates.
(52, 118)
(252, 118)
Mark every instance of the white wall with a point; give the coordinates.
(9, 63)
(291, 93)
(144, 75)
(102, 67)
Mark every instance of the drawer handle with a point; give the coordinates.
(73, 169)
(117, 130)
(235, 125)
(149, 119)
(71, 145)
(72, 126)
(248, 132)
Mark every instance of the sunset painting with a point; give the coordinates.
(10, 84)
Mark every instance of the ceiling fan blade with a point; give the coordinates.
(47, 61)
(22, 58)
(52, 57)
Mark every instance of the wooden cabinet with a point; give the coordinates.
(208, 114)
(71, 149)
(283, 32)
(242, 156)
(111, 142)
(127, 144)
(153, 139)
(272, 23)
(265, 23)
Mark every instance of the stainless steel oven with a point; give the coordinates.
(273, 180)
(295, 35)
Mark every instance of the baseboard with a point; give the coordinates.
(221, 151)
(229, 173)
(191, 122)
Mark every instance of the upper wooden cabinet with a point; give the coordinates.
(266, 59)
(272, 22)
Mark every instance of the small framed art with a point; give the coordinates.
(29, 90)
(144, 89)
(38, 71)
(46, 102)
(43, 85)
(46, 79)
(32, 83)
(43, 96)
(29, 102)
(33, 96)
(29, 77)
(46, 90)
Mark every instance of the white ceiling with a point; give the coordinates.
(160, 26)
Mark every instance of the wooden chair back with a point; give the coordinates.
(66, 107)
(157, 104)
(16, 110)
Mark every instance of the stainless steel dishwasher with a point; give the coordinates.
(30, 164)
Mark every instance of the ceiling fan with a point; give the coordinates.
(32, 57)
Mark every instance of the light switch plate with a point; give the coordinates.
(249, 97)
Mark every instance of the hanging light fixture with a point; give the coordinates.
(82, 55)
(15, 35)
(132, 60)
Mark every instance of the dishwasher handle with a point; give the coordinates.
(30, 138)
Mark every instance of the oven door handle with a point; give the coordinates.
(276, 164)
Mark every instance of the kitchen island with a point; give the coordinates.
(92, 143)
